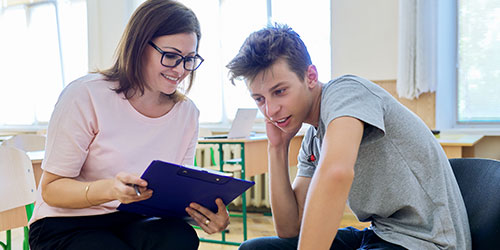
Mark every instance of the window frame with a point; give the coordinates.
(447, 75)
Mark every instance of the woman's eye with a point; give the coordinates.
(171, 56)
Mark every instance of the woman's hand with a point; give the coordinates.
(124, 191)
(206, 219)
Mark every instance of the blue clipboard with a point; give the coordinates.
(175, 187)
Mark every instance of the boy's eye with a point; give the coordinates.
(258, 99)
(279, 91)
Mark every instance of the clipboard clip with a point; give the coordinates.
(203, 175)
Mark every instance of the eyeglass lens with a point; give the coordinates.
(173, 59)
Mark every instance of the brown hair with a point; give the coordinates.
(151, 19)
(262, 48)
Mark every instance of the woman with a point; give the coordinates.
(105, 130)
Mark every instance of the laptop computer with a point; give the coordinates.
(241, 126)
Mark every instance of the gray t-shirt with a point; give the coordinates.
(403, 182)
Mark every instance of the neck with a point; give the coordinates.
(313, 117)
(152, 104)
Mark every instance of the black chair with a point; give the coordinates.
(479, 182)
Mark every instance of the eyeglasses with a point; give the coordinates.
(171, 59)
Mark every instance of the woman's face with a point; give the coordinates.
(161, 79)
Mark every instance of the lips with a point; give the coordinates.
(282, 122)
(171, 78)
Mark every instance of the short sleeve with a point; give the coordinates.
(72, 128)
(350, 97)
(305, 167)
(189, 157)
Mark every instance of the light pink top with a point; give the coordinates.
(94, 133)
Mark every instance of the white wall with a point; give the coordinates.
(106, 21)
(364, 35)
(365, 38)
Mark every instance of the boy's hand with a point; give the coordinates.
(277, 136)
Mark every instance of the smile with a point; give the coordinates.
(170, 77)
(282, 122)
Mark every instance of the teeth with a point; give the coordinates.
(282, 120)
(170, 78)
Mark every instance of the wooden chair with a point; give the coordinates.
(479, 182)
(17, 192)
(26, 142)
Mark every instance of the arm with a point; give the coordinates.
(286, 201)
(331, 183)
(59, 191)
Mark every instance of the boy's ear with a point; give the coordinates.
(311, 76)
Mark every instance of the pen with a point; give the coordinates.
(136, 189)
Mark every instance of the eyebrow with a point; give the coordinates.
(180, 52)
(271, 89)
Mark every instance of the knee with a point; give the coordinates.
(247, 245)
(188, 238)
(170, 234)
(254, 244)
(185, 237)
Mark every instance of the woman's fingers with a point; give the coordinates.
(208, 221)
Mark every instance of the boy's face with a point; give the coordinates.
(281, 96)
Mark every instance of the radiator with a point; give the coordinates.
(207, 156)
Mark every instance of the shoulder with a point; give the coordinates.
(187, 106)
(88, 82)
(89, 86)
(351, 81)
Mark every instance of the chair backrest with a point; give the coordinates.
(17, 182)
(26, 142)
(479, 182)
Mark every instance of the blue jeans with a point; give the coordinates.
(346, 238)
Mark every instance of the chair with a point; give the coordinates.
(479, 182)
(26, 142)
(17, 192)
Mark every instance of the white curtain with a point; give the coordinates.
(417, 47)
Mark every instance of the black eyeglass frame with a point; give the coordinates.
(182, 59)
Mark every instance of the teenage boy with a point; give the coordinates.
(363, 148)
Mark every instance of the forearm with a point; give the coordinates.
(70, 193)
(284, 204)
(324, 207)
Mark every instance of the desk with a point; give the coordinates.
(458, 145)
(255, 152)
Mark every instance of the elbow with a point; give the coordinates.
(289, 230)
(287, 233)
(338, 174)
(47, 197)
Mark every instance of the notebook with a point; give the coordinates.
(241, 126)
(175, 186)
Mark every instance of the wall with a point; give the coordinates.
(106, 22)
(365, 38)
(365, 43)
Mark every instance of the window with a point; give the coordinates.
(478, 75)
(226, 24)
(46, 47)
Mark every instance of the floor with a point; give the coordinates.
(258, 225)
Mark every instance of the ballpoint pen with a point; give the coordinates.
(136, 189)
